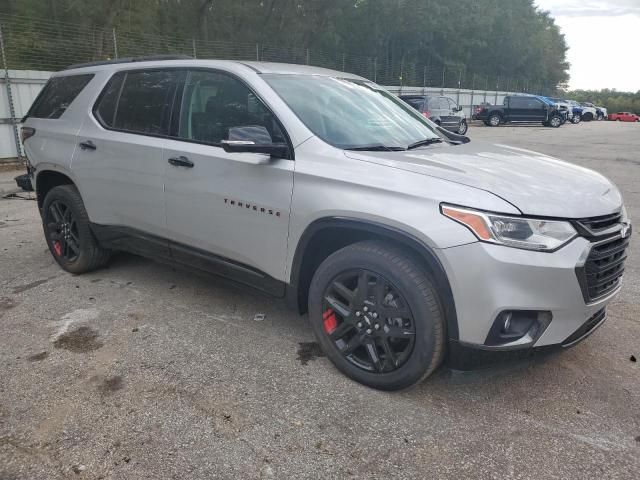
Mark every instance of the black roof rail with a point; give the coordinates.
(150, 58)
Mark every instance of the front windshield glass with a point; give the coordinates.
(352, 114)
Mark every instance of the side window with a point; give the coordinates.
(213, 103)
(534, 103)
(518, 102)
(452, 104)
(145, 103)
(57, 95)
(105, 110)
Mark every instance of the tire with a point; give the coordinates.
(587, 117)
(577, 118)
(353, 340)
(495, 120)
(555, 121)
(463, 127)
(68, 234)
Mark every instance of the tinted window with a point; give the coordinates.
(106, 108)
(212, 103)
(145, 103)
(57, 95)
(415, 102)
(524, 102)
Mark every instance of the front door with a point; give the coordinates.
(229, 209)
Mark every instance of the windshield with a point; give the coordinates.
(351, 114)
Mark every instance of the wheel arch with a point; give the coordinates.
(47, 179)
(327, 235)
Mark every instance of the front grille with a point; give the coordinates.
(596, 225)
(586, 328)
(603, 269)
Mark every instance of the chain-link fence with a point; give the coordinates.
(50, 46)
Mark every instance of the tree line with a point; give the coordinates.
(496, 38)
(612, 100)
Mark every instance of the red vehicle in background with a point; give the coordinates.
(624, 117)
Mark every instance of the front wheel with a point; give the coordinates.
(463, 127)
(576, 119)
(67, 231)
(377, 316)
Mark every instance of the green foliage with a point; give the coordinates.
(612, 100)
(497, 39)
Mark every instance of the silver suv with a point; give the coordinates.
(406, 244)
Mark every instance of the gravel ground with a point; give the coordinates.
(140, 371)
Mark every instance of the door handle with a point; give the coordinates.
(181, 162)
(88, 145)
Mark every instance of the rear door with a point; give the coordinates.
(119, 162)
(226, 209)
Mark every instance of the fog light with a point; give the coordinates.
(517, 328)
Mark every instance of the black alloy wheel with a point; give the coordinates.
(62, 231)
(369, 321)
(68, 232)
(377, 315)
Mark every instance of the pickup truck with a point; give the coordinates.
(516, 108)
(624, 117)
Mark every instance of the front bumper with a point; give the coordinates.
(488, 279)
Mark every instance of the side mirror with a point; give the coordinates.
(253, 139)
(458, 109)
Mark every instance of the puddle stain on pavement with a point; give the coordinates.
(80, 340)
(309, 351)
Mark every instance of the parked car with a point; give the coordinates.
(589, 112)
(564, 107)
(407, 244)
(441, 110)
(601, 112)
(577, 110)
(624, 117)
(521, 108)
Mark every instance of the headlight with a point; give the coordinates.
(518, 232)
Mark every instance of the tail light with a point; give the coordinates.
(26, 132)
(426, 114)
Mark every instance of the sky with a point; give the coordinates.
(603, 38)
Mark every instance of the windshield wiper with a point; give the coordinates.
(376, 148)
(426, 141)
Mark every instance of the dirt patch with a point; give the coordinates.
(309, 351)
(29, 286)
(110, 385)
(37, 357)
(7, 303)
(80, 340)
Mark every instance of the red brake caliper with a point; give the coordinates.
(330, 321)
(57, 248)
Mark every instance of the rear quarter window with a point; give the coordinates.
(57, 95)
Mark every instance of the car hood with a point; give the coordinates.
(534, 183)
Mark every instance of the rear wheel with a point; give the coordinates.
(494, 120)
(555, 121)
(67, 231)
(587, 117)
(577, 118)
(463, 127)
(377, 316)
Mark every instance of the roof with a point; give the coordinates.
(186, 61)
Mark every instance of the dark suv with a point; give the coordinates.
(441, 110)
